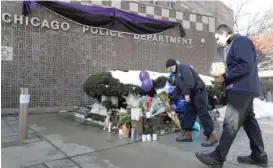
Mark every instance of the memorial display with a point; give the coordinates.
(136, 103)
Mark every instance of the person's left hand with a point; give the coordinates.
(187, 98)
(173, 98)
(220, 79)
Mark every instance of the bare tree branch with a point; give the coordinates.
(264, 61)
(258, 25)
(238, 14)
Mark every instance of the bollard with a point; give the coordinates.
(23, 115)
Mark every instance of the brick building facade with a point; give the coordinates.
(54, 62)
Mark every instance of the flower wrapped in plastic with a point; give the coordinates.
(142, 102)
(217, 69)
(163, 95)
(155, 106)
(132, 100)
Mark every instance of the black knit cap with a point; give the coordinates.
(170, 62)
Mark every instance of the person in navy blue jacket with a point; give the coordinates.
(188, 82)
(242, 85)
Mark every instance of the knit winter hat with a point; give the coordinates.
(170, 62)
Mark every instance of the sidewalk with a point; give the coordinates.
(57, 141)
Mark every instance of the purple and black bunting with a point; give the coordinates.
(110, 18)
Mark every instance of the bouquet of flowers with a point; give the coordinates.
(218, 69)
(132, 100)
(163, 95)
(155, 106)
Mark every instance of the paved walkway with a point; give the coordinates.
(57, 141)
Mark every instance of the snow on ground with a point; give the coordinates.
(261, 109)
(132, 77)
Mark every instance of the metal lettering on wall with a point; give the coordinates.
(150, 37)
(34, 21)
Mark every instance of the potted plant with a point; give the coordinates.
(125, 121)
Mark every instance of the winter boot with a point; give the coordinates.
(187, 137)
(210, 141)
(250, 161)
(182, 132)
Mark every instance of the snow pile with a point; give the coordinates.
(132, 77)
(261, 109)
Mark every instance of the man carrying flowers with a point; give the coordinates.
(242, 85)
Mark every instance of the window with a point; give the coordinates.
(170, 4)
(154, 2)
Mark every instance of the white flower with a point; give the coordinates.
(122, 111)
(218, 69)
(131, 100)
(158, 91)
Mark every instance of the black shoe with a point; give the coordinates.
(209, 160)
(250, 161)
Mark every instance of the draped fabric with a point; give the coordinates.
(110, 18)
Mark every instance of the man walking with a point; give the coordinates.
(242, 85)
(188, 82)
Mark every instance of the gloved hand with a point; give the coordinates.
(173, 107)
(174, 98)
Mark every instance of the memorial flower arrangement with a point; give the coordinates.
(155, 106)
(165, 99)
(147, 85)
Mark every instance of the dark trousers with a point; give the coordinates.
(198, 106)
(240, 113)
(181, 118)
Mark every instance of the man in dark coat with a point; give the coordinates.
(188, 82)
(242, 85)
